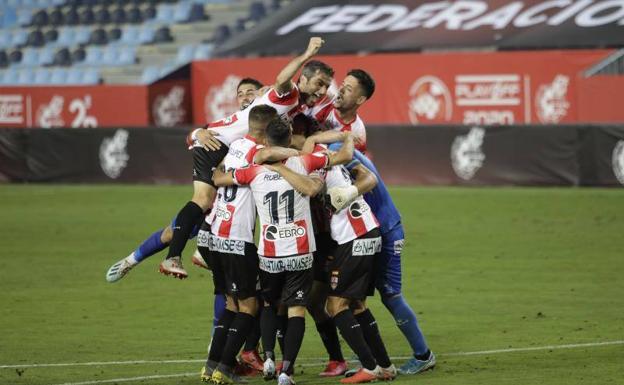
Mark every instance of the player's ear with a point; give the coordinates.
(361, 99)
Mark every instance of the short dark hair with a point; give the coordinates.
(366, 81)
(313, 66)
(278, 133)
(252, 81)
(262, 114)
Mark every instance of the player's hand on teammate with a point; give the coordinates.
(314, 46)
(341, 197)
(208, 139)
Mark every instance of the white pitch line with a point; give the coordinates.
(319, 359)
(128, 379)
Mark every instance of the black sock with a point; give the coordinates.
(268, 327)
(292, 343)
(187, 218)
(424, 356)
(239, 329)
(352, 333)
(282, 327)
(329, 336)
(251, 342)
(220, 335)
(373, 338)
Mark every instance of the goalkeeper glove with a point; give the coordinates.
(341, 197)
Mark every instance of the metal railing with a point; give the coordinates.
(613, 65)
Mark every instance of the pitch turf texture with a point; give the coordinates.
(485, 269)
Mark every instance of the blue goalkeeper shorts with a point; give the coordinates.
(388, 265)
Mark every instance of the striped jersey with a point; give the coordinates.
(353, 221)
(234, 212)
(286, 224)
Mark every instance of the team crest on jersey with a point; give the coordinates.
(333, 281)
(366, 246)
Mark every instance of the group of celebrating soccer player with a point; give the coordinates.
(329, 232)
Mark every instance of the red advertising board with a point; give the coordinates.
(96, 106)
(169, 103)
(538, 87)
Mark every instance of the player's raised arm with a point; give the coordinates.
(325, 137)
(223, 178)
(345, 154)
(306, 185)
(283, 82)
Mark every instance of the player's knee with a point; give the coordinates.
(335, 305)
(358, 307)
(248, 306)
(296, 311)
(230, 304)
(387, 299)
(167, 235)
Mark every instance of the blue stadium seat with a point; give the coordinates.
(127, 55)
(19, 37)
(146, 35)
(65, 37)
(257, 11)
(164, 14)
(185, 54)
(182, 12)
(8, 18)
(74, 76)
(91, 76)
(110, 56)
(5, 38)
(42, 76)
(197, 13)
(46, 56)
(129, 35)
(58, 76)
(24, 16)
(203, 51)
(25, 76)
(30, 58)
(150, 74)
(82, 35)
(10, 76)
(94, 56)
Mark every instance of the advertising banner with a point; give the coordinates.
(410, 26)
(482, 88)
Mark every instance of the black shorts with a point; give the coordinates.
(235, 267)
(325, 246)
(351, 272)
(289, 288)
(204, 161)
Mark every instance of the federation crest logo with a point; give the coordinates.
(551, 102)
(430, 101)
(167, 110)
(220, 100)
(618, 161)
(466, 154)
(113, 154)
(49, 115)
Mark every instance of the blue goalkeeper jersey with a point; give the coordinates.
(379, 198)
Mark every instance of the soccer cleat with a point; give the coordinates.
(388, 374)
(252, 359)
(119, 270)
(223, 378)
(362, 376)
(414, 366)
(173, 266)
(268, 369)
(205, 374)
(198, 260)
(285, 379)
(334, 369)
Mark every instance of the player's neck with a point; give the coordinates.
(347, 116)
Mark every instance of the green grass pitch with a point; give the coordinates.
(485, 269)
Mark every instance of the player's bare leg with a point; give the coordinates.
(190, 215)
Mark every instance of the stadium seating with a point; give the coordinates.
(148, 37)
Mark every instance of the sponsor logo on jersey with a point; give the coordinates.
(113, 154)
(168, 110)
(358, 208)
(466, 154)
(278, 265)
(274, 233)
(618, 161)
(366, 246)
(551, 100)
(227, 246)
(223, 214)
(11, 109)
(430, 101)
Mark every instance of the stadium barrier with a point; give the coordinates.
(405, 155)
